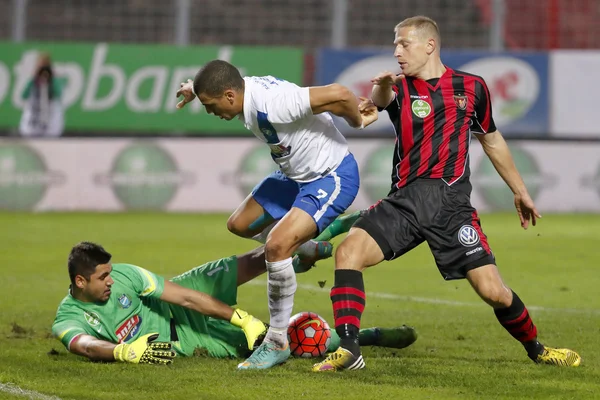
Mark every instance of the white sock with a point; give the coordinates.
(281, 288)
(308, 249)
(277, 336)
(262, 237)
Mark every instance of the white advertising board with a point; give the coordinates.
(573, 90)
(215, 175)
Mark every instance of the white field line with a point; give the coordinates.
(31, 394)
(432, 300)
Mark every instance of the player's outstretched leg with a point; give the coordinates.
(340, 225)
(514, 317)
(275, 348)
(394, 338)
(516, 320)
(320, 248)
(320, 251)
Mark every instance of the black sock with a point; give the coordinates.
(516, 320)
(348, 299)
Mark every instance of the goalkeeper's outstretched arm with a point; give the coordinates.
(93, 348)
(208, 305)
(143, 350)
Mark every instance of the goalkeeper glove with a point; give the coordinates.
(145, 351)
(253, 327)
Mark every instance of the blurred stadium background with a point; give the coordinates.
(310, 24)
(126, 152)
(120, 62)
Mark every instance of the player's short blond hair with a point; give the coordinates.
(424, 25)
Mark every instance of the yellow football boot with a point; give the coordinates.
(560, 357)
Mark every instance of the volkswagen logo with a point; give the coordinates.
(468, 236)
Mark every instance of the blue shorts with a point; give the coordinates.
(323, 199)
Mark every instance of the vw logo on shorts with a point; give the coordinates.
(468, 236)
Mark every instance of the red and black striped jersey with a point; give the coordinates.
(433, 121)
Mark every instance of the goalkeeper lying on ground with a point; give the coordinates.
(125, 313)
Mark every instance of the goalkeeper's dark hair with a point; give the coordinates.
(216, 77)
(84, 258)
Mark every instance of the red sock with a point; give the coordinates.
(348, 299)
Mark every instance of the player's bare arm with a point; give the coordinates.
(93, 348)
(143, 350)
(197, 301)
(382, 93)
(497, 150)
(337, 100)
(210, 306)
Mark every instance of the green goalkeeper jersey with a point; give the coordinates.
(135, 309)
(132, 310)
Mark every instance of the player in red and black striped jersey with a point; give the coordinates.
(435, 110)
(434, 120)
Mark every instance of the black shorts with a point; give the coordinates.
(430, 210)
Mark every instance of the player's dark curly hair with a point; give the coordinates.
(84, 258)
(216, 77)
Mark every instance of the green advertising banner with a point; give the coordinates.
(117, 88)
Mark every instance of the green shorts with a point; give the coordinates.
(199, 333)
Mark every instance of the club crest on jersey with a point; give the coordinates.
(125, 301)
(461, 101)
(129, 328)
(421, 108)
(468, 236)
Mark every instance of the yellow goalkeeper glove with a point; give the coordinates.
(253, 327)
(145, 351)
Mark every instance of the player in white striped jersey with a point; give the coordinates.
(317, 178)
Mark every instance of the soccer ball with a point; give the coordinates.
(309, 335)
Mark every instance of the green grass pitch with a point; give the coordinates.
(461, 353)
